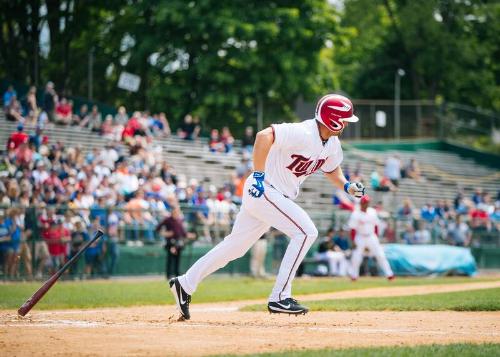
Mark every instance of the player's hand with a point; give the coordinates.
(257, 188)
(356, 189)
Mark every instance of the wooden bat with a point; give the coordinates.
(33, 300)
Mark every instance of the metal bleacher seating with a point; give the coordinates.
(443, 172)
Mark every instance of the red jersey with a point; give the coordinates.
(54, 238)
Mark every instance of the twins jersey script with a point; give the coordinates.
(296, 153)
(364, 224)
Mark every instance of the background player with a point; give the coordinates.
(363, 223)
(284, 156)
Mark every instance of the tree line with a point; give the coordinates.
(223, 60)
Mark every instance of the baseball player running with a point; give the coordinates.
(284, 156)
(362, 224)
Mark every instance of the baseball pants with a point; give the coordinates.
(373, 245)
(255, 218)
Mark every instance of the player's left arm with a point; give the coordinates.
(337, 178)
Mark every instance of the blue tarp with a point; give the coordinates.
(421, 260)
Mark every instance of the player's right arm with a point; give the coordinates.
(263, 142)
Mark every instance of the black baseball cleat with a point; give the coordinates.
(182, 299)
(288, 306)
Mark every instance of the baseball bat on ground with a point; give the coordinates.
(33, 300)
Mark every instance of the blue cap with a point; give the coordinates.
(20, 127)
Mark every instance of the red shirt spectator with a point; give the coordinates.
(64, 108)
(57, 240)
(131, 127)
(479, 218)
(17, 138)
(46, 221)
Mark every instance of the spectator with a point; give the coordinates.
(248, 140)
(390, 232)
(32, 106)
(14, 111)
(37, 138)
(333, 254)
(49, 101)
(188, 130)
(64, 112)
(17, 138)
(459, 233)
(137, 216)
(381, 184)
(342, 240)
(165, 126)
(393, 169)
(81, 115)
(8, 95)
(112, 248)
(57, 237)
(227, 139)
(477, 196)
(40, 174)
(93, 121)
(121, 117)
(94, 254)
(412, 170)
(171, 229)
(14, 224)
(215, 143)
(408, 236)
(78, 237)
(480, 220)
(5, 247)
(428, 212)
(422, 235)
(107, 128)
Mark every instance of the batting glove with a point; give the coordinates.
(257, 188)
(356, 189)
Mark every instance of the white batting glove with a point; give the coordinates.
(355, 188)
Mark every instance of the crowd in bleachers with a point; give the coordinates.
(58, 195)
(132, 179)
(463, 222)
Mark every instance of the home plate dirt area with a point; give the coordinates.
(221, 328)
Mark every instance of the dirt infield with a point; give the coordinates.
(220, 328)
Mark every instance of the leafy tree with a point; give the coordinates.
(448, 49)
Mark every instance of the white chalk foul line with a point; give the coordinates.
(332, 329)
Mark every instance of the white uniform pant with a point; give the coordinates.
(373, 245)
(337, 263)
(255, 218)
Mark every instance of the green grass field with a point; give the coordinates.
(472, 300)
(462, 350)
(90, 294)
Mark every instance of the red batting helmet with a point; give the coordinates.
(365, 199)
(333, 110)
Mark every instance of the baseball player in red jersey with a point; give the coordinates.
(284, 156)
(363, 224)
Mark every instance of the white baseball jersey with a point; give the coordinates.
(298, 152)
(364, 222)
